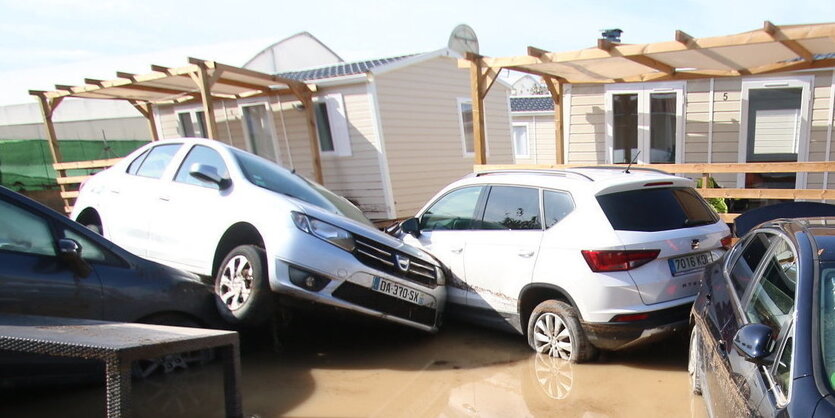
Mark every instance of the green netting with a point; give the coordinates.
(27, 163)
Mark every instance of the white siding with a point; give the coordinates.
(541, 134)
(419, 118)
(586, 139)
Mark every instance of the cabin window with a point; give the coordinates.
(332, 126)
(259, 130)
(192, 123)
(465, 118)
(521, 144)
(644, 122)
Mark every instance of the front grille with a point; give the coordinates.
(382, 257)
(370, 299)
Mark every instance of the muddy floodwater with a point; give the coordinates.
(342, 369)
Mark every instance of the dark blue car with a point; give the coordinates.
(763, 338)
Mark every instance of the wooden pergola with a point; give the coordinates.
(200, 80)
(769, 49)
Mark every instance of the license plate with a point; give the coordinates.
(391, 288)
(690, 262)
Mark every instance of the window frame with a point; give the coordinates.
(192, 111)
(244, 104)
(486, 199)
(168, 165)
(462, 132)
(338, 124)
(527, 127)
(182, 166)
(644, 92)
(477, 210)
(804, 131)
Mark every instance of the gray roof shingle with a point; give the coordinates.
(531, 104)
(341, 69)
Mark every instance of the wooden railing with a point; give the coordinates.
(69, 184)
(705, 171)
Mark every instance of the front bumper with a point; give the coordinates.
(623, 335)
(350, 282)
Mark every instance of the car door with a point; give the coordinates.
(33, 279)
(500, 254)
(185, 224)
(132, 195)
(726, 288)
(444, 227)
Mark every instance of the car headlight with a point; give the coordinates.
(325, 231)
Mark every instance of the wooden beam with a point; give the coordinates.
(652, 63)
(127, 76)
(794, 46)
(555, 87)
(604, 44)
(477, 93)
(161, 69)
(154, 89)
(208, 102)
(683, 38)
(536, 52)
(146, 109)
(64, 87)
(306, 97)
(695, 168)
(94, 82)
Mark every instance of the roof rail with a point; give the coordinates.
(623, 168)
(552, 172)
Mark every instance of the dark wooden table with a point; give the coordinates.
(118, 344)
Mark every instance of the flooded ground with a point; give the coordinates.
(348, 370)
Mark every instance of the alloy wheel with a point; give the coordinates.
(552, 337)
(235, 284)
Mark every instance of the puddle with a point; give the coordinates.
(349, 370)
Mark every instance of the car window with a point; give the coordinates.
(783, 367)
(157, 160)
(453, 211)
(24, 232)
(827, 319)
(92, 252)
(656, 209)
(742, 272)
(201, 155)
(772, 298)
(134, 165)
(510, 207)
(557, 205)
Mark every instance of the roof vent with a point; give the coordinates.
(611, 35)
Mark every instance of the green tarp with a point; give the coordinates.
(26, 164)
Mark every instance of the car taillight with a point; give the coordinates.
(602, 261)
(630, 317)
(727, 242)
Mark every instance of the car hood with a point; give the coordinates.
(362, 229)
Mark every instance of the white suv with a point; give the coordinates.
(577, 260)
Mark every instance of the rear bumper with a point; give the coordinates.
(623, 335)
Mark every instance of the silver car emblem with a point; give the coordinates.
(694, 244)
(402, 262)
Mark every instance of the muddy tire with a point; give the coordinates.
(554, 329)
(694, 361)
(242, 288)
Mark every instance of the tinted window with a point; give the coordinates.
(134, 165)
(557, 206)
(512, 208)
(92, 252)
(24, 232)
(742, 273)
(270, 176)
(158, 158)
(772, 299)
(455, 210)
(201, 155)
(827, 319)
(656, 209)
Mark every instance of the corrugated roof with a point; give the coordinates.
(531, 104)
(340, 70)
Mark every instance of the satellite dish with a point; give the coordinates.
(463, 40)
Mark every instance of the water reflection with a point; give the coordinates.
(461, 372)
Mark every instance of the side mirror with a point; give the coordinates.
(753, 342)
(69, 250)
(208, 173)
(411, 226)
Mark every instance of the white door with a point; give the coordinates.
(444, 228)
(644, 123)
(185, 224)
(499, 258)
(131, 197)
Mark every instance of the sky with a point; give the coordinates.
(47, 42)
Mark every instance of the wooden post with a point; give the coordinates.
(555, 87)
(146, 109)
(47, 110)
(476, 88)
(205, 85)
(303, 93)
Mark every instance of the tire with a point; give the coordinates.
(554, 329)
(142, 369)
(694, 361)
(241, 286)
(95, 228)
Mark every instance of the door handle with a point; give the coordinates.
(456, 250)
(165, 197)
(525, 254)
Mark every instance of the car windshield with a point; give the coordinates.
(657, 209)
(266, 174)
(827, 319)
